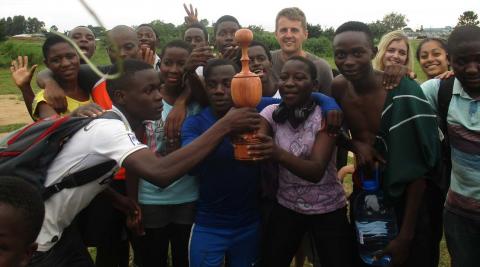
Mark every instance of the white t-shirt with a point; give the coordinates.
(100, 141)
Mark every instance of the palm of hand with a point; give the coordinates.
(22, 76)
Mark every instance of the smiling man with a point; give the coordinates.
(85, 39)
(291, 32)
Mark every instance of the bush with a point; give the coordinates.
(11, 49)
(319, 46)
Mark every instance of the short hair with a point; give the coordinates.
(130, 67)
(386, 40)
(200, 26)
(311, 67)
(51, 41)
(26, 199)
(462, 34)
(252, 44)
(81, 26)
(441, 42)
(292, 13)
(356, 26)
(216, 62)
(224, 18)
(149, 26)
(177, 43)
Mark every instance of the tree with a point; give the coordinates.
(53, 28)
(18, 25)
(468, 18)
(8, 26)
(378, 29)
(314, 31)
(33, 25)
(3, 29)
(98, 31)
(204, 22)
(394, 21)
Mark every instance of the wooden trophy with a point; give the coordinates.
(246, 90)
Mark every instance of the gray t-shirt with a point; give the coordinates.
(324, 71)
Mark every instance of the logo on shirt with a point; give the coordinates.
(133, 139)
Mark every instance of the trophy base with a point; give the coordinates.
(240, 147)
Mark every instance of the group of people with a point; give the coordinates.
(177, 188)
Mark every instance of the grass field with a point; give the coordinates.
(7, 87)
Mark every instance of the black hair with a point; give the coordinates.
(462, 34)
(26, 199)
(177, 43)
(81, 26)
(130, 67)
(356, 26)
(198, 26)
(311, 67)
(224, 18)
(441, 42)
(51, 41)
(215, 62)
(149, 26)
(252, 44)
(267, 51)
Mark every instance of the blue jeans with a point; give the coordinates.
(209, 246)
(463, 239)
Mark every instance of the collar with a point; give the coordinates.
(124, 119)
(156, 64)
(458, 90)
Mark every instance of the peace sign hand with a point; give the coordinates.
(192, 15)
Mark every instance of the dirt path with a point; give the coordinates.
(13, 110)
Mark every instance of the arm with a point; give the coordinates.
(44, 111)
(54, 94)
(22, 77)
(164, 171)
(332, 112)
(175, 119)
(313, 168)
(400, 246)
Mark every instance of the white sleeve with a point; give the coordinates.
(430, 90)
(113, 140)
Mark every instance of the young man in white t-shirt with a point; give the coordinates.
(136, 98)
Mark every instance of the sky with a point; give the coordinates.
(66, 14)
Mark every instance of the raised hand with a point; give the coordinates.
(21, 75)
(192, 15)
(198, 57)
(147, 55)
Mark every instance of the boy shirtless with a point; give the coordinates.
(398, 126)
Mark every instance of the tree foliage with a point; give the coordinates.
(468, 18)
(390, 22)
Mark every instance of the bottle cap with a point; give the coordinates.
(370, 185)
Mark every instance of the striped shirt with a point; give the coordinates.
(463, 123)
(408, 138)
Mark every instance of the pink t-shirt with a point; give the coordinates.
(294, 192)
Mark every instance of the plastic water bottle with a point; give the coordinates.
(375, 223)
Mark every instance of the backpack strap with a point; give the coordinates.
(84, 176)
(79, 178)
(443, 98)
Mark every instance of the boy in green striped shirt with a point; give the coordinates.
(396, 128)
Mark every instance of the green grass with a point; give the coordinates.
(10, 127)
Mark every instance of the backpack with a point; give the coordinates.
(444, 97)
(28, 152)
